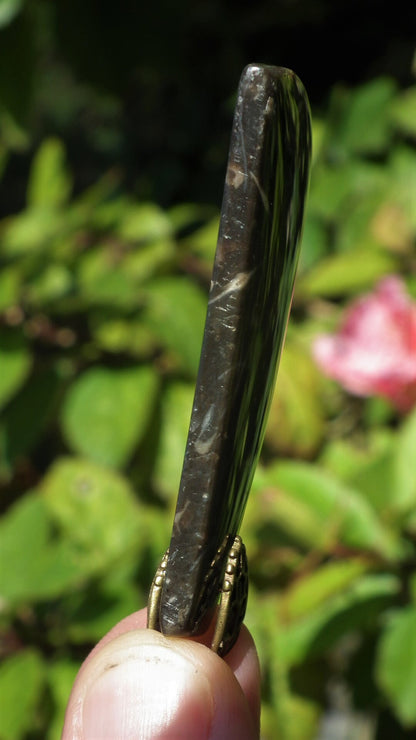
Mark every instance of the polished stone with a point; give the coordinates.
(248, 309)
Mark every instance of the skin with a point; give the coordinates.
(137, 684)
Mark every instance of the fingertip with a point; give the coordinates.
(140, 684)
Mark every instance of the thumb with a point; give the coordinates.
(142, 686)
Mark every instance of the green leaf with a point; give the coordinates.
(35, 402)
(396, 664)
(144, 222)
(113, 333)
(105, 204)
(175, 416)
(284, 714)
(15, 362)
(356, 607)
(49, 183)
(316, 588)
(30, 231)
(369, 471)
(296, 423)
(403, 111)
(203, 241)
(346, 460)
(330, 189)
(190, 217)
(314, 243)
(21, 682)
(9, 287)
(347, 515)
(60, 678)
(34, 564)
(383, 472)
(176, 311)
(272, 507)
(95, 509)
(402, 174)
(8, 10)
(104, 279)
(106, 412)
(319, 134)
(147, 259)
(404, 482)
(48, 286)
(290, 716)
(355, 227)
(338, 275)
(365, 126)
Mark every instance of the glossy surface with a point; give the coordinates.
(248, 309)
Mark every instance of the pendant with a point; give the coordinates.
(249, 302)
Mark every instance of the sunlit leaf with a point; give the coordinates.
(355, 229)
(272, 507)
(144, 222)
(357, 607)
(95, 508)
(319, 133)
(396, 664)
(106, 412)
(21, 681)
(30, 231)
(402, 174)
(347, 515)
(119, 335)
(369, 471)
(314, 589)
(365, 125)
(52, 283)
(338, 275)
(34, 564)
(49, 182)
(176, 311)
(9, 287)
(104, 279)
(296, 424)
(403, 493)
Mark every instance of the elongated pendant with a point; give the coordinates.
(248, 309)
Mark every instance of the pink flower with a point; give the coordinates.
(374, 352)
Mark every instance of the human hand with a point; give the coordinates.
(137, 684)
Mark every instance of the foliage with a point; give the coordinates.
(102, 304)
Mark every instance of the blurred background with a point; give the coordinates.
(114, 130)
